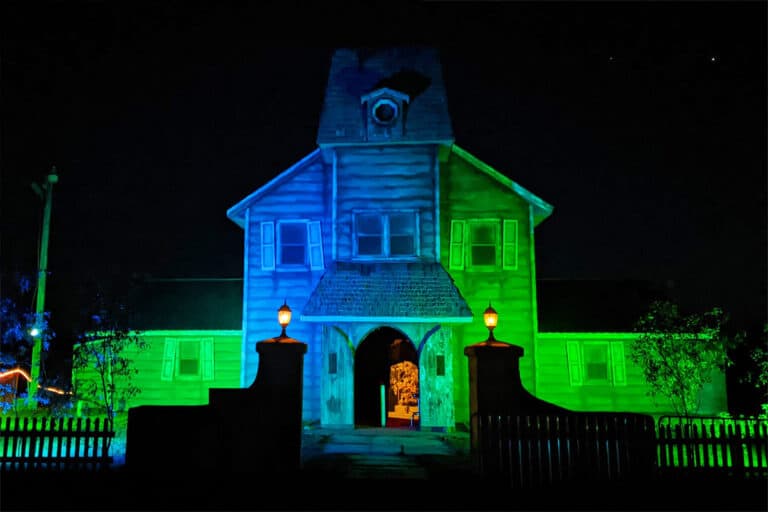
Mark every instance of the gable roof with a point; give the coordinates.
(402, 292)
(541, 208)
(236, 213)
(413, 71)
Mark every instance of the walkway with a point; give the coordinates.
(384, 453)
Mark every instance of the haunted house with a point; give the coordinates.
(388, 241)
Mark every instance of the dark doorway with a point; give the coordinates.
(376, 354)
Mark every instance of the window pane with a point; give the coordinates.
(401, 223)
(189, 366)
(401, 245)
(293, 233)
(369, 245)
(369, 225)
(189, 357)
(597, 371)
(596, 361)
(483, 255)
(483, 234)
(292, 255)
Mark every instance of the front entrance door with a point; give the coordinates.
(386, 357)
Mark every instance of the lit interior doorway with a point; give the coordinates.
(386, 357)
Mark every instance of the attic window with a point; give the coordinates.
(384, 111)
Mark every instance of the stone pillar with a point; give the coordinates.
(279, 387)
(259, 427)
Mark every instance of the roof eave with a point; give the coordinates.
(386, 319)
(542, 209)
(237, 212)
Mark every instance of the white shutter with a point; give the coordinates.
(618, 363)
(509, 254)
(575, 365)
(206, 357)
(267, 246)
(169, 359)
(315, 244)
(457, 245)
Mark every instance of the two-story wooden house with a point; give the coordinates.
(388, 242)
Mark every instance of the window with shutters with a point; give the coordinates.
(484, 244)
(187, 359)
(596, 362)
(386, 234)
(291, 245)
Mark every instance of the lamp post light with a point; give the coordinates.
(283, 318)
(491, 318)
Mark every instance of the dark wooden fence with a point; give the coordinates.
(713, 445)
(534, 450)
(55, 443)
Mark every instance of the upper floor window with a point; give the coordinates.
(484, 244)
(386, 234)
(294, 245)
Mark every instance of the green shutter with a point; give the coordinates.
(509, 256)
(618, 363)
(206, 354)
(575, 366)
(315, 245)
(267, 246)
(457, 245)
(169, 359)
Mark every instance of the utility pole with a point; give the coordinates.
(35, 368)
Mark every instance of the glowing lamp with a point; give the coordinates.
(491, 318)
(34, 332)
(284, 317)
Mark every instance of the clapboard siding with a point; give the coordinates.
(467, 193)
(148, 363)
(554, 382)
(386, 178)
(306, 194)
(266, 293)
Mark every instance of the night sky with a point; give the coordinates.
(644, 124)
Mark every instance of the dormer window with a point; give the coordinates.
(385, 111)
(384, 114)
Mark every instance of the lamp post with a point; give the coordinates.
(283, 318)
(491, 318)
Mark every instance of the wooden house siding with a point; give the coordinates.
(303, 196)
(632, 396)
(386, 178)
(178, 390)
(469, 194)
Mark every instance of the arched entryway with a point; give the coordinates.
(386, 357)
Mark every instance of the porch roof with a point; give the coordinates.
(380, 292)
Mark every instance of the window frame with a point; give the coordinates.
(189, 376)
(496, 225)
(170, 364)
(608, 379)
(615, 361)
(272, 246)
(279, 245)
(386, 241)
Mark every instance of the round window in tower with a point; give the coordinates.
(384, 111)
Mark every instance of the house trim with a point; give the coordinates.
(387, 319)
(236, 212)
(542, 208)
